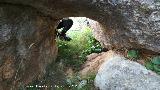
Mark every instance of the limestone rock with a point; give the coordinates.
(117, 73)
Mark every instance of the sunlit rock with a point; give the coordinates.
(118, 73)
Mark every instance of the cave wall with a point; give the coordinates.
(27, 39)
(27, 45)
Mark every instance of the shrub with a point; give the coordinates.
(154, 64)
(133, 54)
(156, 60)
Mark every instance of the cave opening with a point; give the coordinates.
(83, 42)
(72, 54)
(67, 71)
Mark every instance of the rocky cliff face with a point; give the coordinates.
(27, 42)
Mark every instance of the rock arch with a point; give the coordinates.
(27, 36)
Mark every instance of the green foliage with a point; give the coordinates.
(156, 60)
(90, 82)
(149, 66)
(157, 68)
(75, 83)
(133, 54)
(154, 64)
(73, 53)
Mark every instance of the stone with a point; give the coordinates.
(125, 23)
(27, 46)
(118, 73)
(94, 61)
(98, 33)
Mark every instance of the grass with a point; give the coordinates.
(77, 83)
(73, 53)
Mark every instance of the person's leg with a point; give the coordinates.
(66, 38)
(63, 33)
(60, 25)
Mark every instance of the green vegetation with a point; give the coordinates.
(78, 83)
(156, 60)
(154, 64)
(133, 54)
(73, 53)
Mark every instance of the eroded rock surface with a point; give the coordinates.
(126, 23)
(118, 73)
(27, 45)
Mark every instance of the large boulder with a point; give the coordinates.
(118, 73)
(27, 45)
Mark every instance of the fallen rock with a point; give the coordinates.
(94, 61)
(118, 73)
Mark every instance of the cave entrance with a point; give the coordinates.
(65, 72)
(72, 53)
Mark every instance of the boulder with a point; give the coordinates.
(118, 73)
(27, 46)
(94, 61)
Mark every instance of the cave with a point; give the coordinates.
(27, 32)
